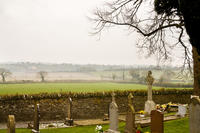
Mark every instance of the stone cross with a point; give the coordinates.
(113, 114)
(149, 80)
(157, 119)
(11, 124)
(149, 104)
(194, 115)
(113, 97)
(36, 118)
(130, 117)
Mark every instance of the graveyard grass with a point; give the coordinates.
(35, 88)
(175, 126)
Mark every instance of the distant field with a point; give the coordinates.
(34, 88)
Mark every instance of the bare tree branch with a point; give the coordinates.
(154, 28)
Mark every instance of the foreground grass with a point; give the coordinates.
(35, 88)
(175, 126)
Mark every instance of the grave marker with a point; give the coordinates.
(69, 109)
(149, 104)
(130, 117)
(11, 124)
(113, 116)
(182, 110)
(157, 119)
(36, 118)
(69, 120)
(194, 115)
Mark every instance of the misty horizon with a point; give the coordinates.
(58, 32)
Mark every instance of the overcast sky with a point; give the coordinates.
(57, 31)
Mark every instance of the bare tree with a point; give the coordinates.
(161, 30)
(42, 75)
(114, 76)
(4, 73)
(134, 74)
(123, 74)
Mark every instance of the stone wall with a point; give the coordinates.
(83, 107)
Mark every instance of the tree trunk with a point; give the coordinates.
(42, 78)
(196, 70)
(191, 13)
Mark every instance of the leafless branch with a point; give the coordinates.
(154, 28)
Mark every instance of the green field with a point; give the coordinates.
(35, 88)
(175, 126)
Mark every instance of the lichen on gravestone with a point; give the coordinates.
(11, 124)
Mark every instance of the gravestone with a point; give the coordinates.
(69, 109)
(36, 118)
(130, 116)
(11, 124)
(149, 104)
(69, 120)
(157, 119)
(113, 116)
(182, 110)
(194, 115)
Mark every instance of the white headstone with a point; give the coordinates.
(194, 115)
(182, 110)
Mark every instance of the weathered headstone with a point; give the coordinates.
(113, 114)
(36, 118)
(69, 109)
(149, 104)
(157, 119)
(69, 119)
(194, 115)
(182, 110)
(130, 117)
(11, 124)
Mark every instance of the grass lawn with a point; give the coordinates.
(175, 126)
(34, 88)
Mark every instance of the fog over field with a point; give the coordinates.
(29, 72)
(58, 36)
(59, 32)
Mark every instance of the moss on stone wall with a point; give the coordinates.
(85, 105)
